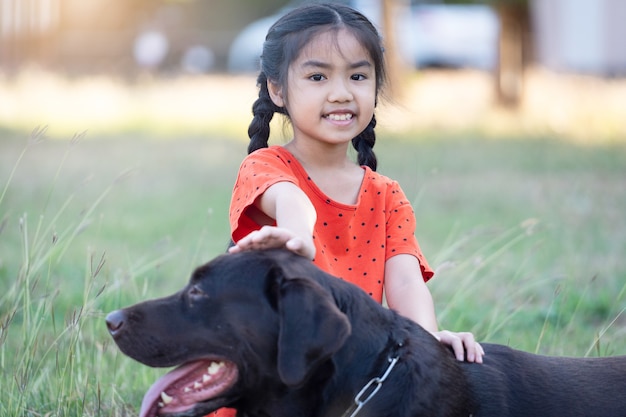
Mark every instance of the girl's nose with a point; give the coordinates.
(340, 91)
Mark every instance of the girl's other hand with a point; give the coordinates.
(270, 237)
(463, 344)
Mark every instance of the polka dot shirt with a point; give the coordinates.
(352, 242)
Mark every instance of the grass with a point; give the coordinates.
(82, 236)
(527, 237)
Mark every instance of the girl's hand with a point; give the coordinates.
(463, 345)
(269, 237)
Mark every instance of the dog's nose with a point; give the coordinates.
(115, 321)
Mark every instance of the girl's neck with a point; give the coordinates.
(330, 169)
(318, 155)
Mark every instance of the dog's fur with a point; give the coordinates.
(292, 340)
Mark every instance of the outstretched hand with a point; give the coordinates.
(270, 237)
(463, 344)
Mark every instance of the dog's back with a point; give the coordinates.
(513, 383)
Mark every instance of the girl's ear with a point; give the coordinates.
(276, 93)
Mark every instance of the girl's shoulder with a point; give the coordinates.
(274, 151)
(272, 154)
(380, 189)
(376, 180)
(274, 161)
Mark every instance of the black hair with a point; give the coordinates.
(283, 43)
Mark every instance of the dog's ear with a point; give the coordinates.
(312, 328)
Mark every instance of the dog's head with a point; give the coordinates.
(246, 325)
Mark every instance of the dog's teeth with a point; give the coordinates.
(215, 367)
(206, 378)
(197, 385)
(187, 390)
(160, 405)
(166, 398)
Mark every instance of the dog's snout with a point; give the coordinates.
(115, 321)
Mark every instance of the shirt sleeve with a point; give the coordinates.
(401, 225)
(258, 171)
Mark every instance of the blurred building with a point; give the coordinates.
(27, 30)
(587, 36)
(122, 36)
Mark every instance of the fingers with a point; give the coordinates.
(270, 237)
(463, 344)
(265, 238)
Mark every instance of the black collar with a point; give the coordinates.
(374, 385)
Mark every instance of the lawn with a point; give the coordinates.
(528, 237)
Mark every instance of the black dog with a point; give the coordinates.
(268, 333)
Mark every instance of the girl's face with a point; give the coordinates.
(331, 91)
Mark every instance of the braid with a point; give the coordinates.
(364, 144)
(263, 111)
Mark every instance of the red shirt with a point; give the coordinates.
(352, 242)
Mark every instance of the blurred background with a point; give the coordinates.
(199, 36)
(542, 66)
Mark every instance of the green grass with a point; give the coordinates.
(528, 238)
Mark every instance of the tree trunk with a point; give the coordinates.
(396, 68)
(512, 53)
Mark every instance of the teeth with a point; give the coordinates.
(166, 398)
(215, 367)
(340, 117)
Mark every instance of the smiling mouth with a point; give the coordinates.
(179, 391)
(339, 117)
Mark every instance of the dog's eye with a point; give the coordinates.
(196, 292)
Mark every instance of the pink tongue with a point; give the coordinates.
(153, 396)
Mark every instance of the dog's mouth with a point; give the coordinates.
(180, 390)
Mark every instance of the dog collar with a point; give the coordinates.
(370, 389)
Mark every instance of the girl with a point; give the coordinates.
(322, 67)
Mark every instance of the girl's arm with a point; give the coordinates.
(295, 218)
(408, 295)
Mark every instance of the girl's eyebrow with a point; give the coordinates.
(320, 64)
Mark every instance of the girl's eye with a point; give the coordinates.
(317, 77)
(358, 77)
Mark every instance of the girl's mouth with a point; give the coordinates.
(339, 117)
